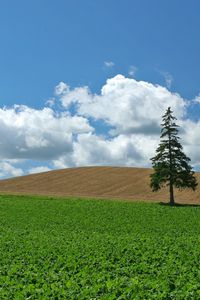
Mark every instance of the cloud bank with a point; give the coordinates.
(127, 111)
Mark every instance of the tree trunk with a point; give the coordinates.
(171, 191)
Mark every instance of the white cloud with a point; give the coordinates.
(76, 95)
(196, 99)
(50, 102)
(132, 71)
(39, 169)
(109, 64)
(168, 78)
(61, 88)
(191, 140)
(128, 105)
(8, 170)
(119, 151)
(131, 109)
(28, 133)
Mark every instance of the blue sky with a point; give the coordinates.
(45, 42)
(83, 43)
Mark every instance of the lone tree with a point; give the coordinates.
(170, 164)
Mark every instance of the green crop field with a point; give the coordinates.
(96, 249)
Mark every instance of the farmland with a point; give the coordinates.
(96, 182)
(96, 249)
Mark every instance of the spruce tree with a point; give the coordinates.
(170, 164)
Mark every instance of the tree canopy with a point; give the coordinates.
(171, 165)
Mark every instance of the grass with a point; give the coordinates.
(96, 249)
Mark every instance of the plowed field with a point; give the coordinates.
(100, 182)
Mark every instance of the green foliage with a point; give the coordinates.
(170, 164)
(90, 249)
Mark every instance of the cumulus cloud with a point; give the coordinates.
(27, 133)
(131, 110)
(78, 95)
(196, 99)
(121, 150)
(39, 169)
(128, 105)
(191, 140)
(50, 102)
(61, 88)
(7, 169)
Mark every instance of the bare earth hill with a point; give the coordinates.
(100, 182)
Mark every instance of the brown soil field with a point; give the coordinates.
(100, 182)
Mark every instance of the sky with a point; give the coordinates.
(86, 82)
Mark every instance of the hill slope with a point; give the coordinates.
(105, 182)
